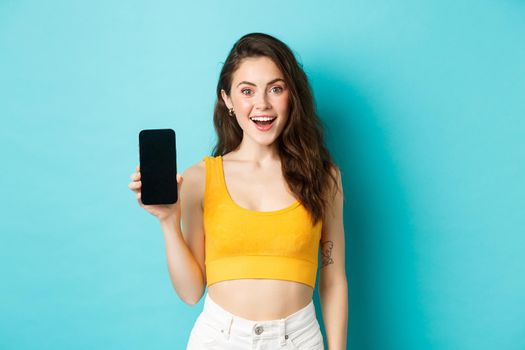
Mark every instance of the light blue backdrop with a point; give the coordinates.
(424, 106)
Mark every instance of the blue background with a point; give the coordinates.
(424, 107)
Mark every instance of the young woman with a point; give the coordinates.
(256, 214)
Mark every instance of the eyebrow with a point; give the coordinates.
(271, 82)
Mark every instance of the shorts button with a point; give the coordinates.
(259, 330)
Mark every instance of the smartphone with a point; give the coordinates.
(158, 166)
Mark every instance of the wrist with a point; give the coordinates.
(170, 223)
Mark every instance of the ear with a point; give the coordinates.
(226, 99)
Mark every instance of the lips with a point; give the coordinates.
(263, 122)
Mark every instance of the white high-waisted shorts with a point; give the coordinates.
(216, 328)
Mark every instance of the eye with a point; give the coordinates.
(279, 89)
(243, 90)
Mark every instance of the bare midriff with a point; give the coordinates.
(261, 299)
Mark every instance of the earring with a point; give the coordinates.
(230, 112)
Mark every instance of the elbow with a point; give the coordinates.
(334, 284)
(192, 300)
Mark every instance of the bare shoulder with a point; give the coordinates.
(336, 174)
(335, 188)
(197, 169)
(334, 169)
(194, 181)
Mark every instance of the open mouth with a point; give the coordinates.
(263, 121)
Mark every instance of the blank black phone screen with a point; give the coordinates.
(158, 166)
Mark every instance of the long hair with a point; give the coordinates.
(305, 161)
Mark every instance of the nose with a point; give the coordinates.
(261, 101)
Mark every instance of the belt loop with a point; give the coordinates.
(229, 326)
(282, 332)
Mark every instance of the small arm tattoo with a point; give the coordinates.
(326, 253)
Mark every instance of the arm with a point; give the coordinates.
(333, 287)
(185, 248)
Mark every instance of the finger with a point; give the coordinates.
(138, 167)
(135, 185)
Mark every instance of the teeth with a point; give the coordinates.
(262, 119)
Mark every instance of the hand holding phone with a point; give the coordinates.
(156, 179)
(161, 211)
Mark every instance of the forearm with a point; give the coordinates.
(185, 273)
(334, 304)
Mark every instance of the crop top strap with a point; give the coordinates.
(214, 188)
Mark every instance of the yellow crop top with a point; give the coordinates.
(242, 243)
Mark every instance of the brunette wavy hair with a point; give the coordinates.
(306, 163)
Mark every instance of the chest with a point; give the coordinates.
(258, 190)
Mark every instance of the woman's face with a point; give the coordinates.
(258, 90)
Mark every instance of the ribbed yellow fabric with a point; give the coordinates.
(242, 243)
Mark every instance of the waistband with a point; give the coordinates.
(229, 323)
